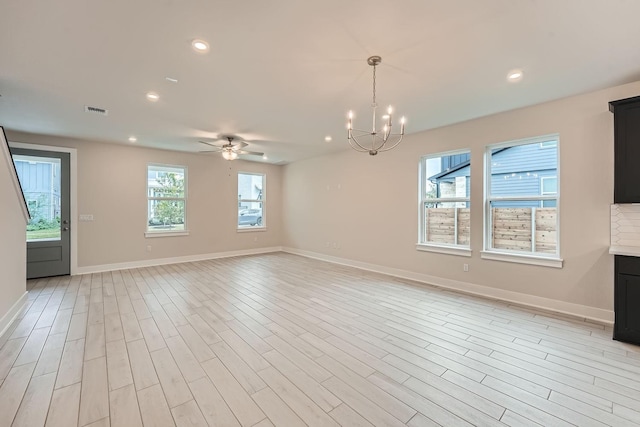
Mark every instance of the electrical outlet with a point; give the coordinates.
(465, 267)
(148, 248)
(86, 217)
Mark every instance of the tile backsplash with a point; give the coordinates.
(625, 225)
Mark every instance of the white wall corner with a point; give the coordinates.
(11, 315)
(580, 311)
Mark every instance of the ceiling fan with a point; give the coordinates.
(230, 150)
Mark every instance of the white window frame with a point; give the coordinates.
(548, 144)
(424, 245)
(166, 233)
(542, 259)
(545, 193)
(262, 227)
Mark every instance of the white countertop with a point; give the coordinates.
(625, 250)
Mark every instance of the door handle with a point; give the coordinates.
(65, 228)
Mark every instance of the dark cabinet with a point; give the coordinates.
(626, 123)
(626, 149)
(627, 299)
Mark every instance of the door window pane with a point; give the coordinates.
(40, 181)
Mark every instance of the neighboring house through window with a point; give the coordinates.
(521, 198)
(251, 200)
(40, 181)
(444, 201)
(166, 198)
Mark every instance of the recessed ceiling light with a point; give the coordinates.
(132, 139)
(200, 46)
(515, 75)
(328, 138)
(152, 96)
(264, 157)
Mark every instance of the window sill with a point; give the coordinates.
(166, 233)
(442, 249)
(250, 229)
(523, 259)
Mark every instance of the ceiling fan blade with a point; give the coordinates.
(209, 144)
(250, 153)
(238, 145)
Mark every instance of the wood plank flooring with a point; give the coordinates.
(282, 340)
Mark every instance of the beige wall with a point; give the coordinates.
(112, 183)
(367, 206)
(13, 250)
(364, 209)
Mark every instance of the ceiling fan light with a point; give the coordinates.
(229, 155)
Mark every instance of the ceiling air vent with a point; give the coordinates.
(96, 110)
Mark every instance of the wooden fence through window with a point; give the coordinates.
(512, 228)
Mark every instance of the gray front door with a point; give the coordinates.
(44, 176)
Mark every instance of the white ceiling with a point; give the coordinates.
(283, 73)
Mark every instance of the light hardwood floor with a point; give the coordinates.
(288, 341)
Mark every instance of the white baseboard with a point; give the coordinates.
(577, 310)
(174, 260)
(11, 315)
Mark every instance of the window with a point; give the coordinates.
(167, 198)
(444, 201)
(251, 200)
(521, 216)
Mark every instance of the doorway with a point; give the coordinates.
(45, 180)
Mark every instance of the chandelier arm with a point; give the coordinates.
(383, 149)
(359, 148)
(377, 141)
(386, 134)
(357, 143)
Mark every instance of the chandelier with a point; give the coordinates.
(379, 139)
